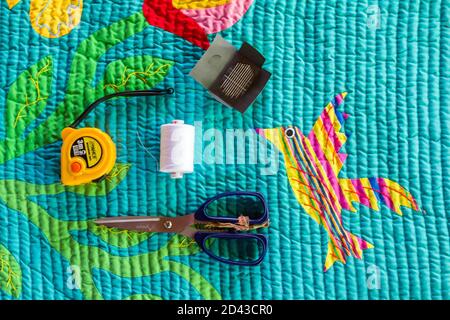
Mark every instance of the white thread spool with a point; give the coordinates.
(177, 149)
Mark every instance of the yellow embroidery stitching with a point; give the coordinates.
(138, 74)
(28, 104)
(6, 267)
(116, 172)
(198, 4)
(185, 244)
(106, 230)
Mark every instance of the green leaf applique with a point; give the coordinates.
(118, 238)
(134, 73)
(112, 179)
(145, 296)
(27, 97)
(10, 273)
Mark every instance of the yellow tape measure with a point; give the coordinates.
(89, 154)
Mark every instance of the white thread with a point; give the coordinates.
(147, 150)
(177, 148)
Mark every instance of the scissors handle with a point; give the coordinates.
(202, 215)
(202, 237)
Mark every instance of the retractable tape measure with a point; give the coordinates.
(89, 154)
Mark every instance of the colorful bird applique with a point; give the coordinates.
(313, 164)
(53, 18)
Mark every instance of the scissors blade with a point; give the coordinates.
(141, 224)
(150, 224)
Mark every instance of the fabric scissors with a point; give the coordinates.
(216, 226)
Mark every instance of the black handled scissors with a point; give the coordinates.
(216, 226)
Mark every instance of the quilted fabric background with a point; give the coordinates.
(392, 57)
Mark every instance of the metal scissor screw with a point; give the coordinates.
(168, 224)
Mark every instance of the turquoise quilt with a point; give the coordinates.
(383, 151)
